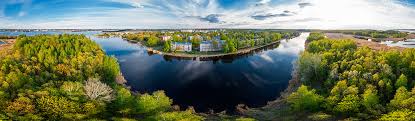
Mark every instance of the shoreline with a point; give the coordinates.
(211, 56)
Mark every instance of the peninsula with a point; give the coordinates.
(204, 43)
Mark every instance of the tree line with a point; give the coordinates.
(379, 34)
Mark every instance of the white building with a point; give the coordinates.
(181, 46)
(208, 46)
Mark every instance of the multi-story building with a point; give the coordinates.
(181, 46)
(214, 45)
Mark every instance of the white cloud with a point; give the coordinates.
(319, 14)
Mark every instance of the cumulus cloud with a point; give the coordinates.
(283, 14)
(264, 14)
(211, 18)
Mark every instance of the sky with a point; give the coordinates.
(183, 14)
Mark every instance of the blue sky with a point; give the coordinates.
(268, 14)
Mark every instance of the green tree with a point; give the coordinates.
(399, 115)
(21, 106)
(276, 36)
(350, 103)
(152, 41)
(304, 99)
(401, 82)
(177, 38)
(56, 107)
(73, 90)
(403, 100)
(124, 101)
(152, 104)
(370, 100)
(188, 115)
(195, 41)
(167, 46)
(310, 68)
(225, 48)
(315, 36)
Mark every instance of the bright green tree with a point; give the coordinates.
(399, 115)
(167, 46)
(401, 82)
(152, 104)
(304, 99)
(188, 115)
(152, 41)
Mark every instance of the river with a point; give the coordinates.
(219, 85)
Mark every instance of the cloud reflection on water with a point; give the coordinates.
(262, 75)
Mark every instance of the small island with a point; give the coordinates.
(204, 43)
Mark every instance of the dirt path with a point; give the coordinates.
(362, 42)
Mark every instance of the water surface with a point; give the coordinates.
(410, 43)
(218, 85)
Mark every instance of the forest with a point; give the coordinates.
(343, 81)
(69, 77)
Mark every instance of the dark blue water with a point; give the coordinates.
(218, 85)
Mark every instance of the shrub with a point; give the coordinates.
(188, 115)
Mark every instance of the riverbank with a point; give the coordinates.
(201, 56)
(277, 109)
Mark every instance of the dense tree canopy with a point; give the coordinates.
(356, 81)
(69, 77)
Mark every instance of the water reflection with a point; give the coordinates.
(218, 84)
